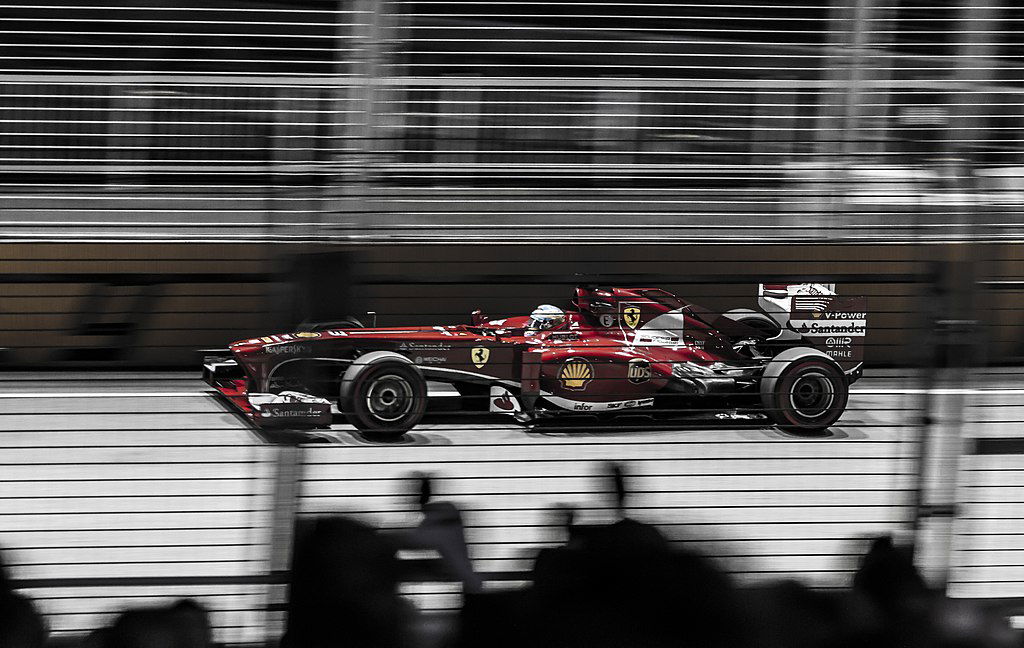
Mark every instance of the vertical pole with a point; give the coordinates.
(940, 433)
(839, 135)
(846, 71)
(955, 325)
(284, 500)
(859, 40)
(358, 65)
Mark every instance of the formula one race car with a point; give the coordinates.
(615, 351)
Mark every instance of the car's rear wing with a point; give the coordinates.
(839, 328)
(836, 324)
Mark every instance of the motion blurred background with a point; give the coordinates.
(167, 168)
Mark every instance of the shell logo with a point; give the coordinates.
(576, 374)
(307, 334)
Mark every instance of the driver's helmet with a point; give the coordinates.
(546, 317)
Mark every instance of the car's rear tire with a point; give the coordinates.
(804, 394)
(386, 397)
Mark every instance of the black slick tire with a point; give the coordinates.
(805, 393)
(386, 397)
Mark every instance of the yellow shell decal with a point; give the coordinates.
(576, 373)
(480, 356)
(631, 316)
(307, 334)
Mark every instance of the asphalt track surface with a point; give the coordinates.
(150, 482)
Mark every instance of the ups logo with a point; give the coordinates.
(638, 371)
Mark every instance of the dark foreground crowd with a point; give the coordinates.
(620, 585)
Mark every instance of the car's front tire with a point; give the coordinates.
(804, 394)
(385, 397)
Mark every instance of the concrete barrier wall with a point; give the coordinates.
(151, 305)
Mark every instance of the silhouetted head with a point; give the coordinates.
(618, 483)
(887, 576)
(425, 491)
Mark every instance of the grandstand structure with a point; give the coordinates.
(385, 119)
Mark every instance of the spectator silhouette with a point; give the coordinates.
(790, 615)
(184, 624)
(616, 585)
(21, 626)
(441, 529)
(344, 588)
(888, 578)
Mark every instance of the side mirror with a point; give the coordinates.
(776, 294)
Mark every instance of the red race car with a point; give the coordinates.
(613, 351)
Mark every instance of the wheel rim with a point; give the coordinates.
(389, 397)
(812, 395)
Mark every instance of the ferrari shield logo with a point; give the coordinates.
(631, 316)
(480, 356)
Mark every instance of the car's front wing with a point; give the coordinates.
(264, 410)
